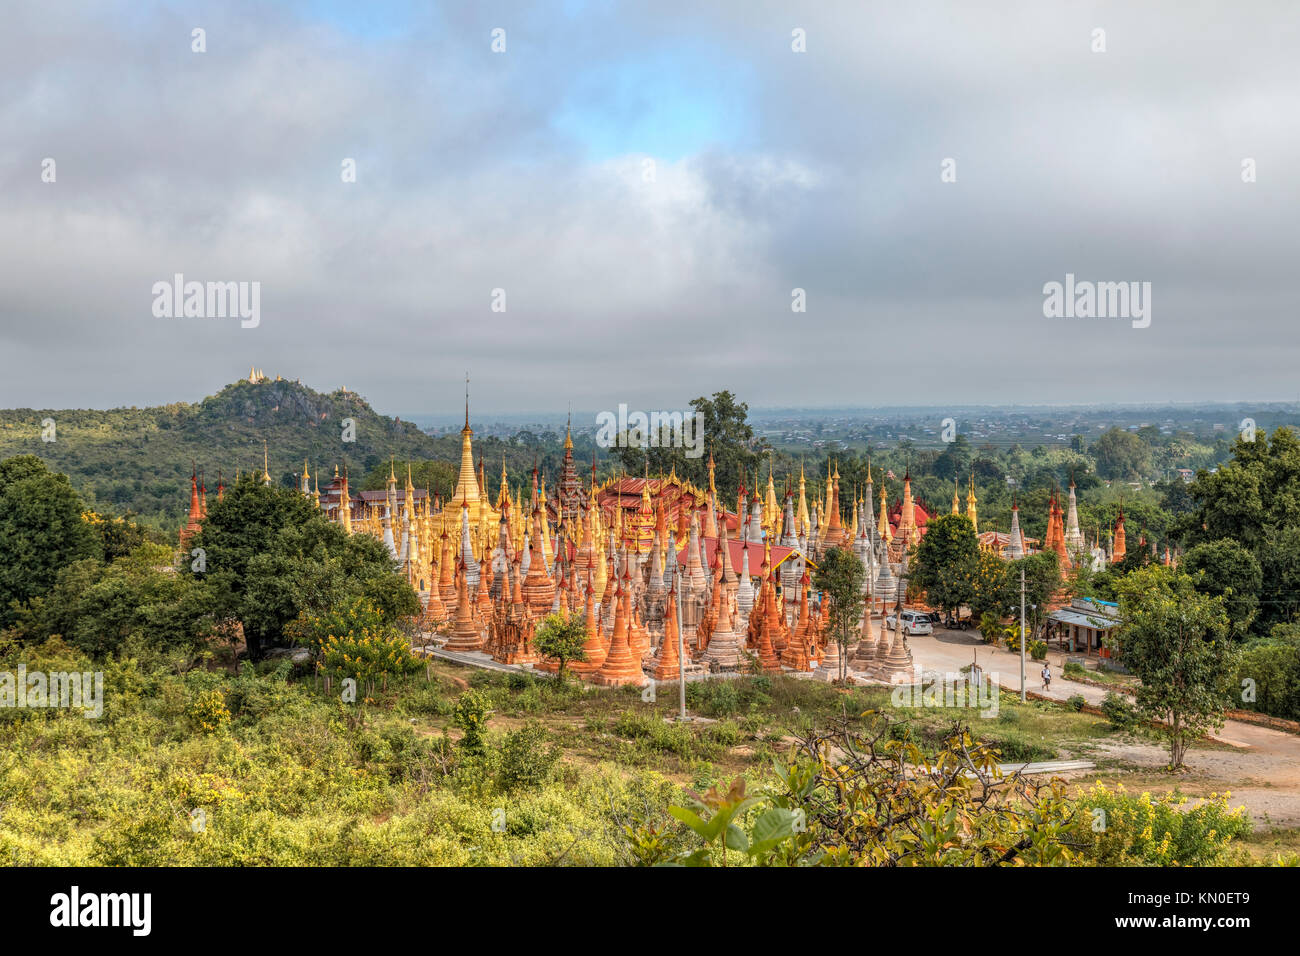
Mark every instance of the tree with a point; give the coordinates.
(1121, 455)
(271, 556)
(1175, 640)
(1225, 569)
(989, 586)
(946, 562)
(41, 531)
(562, 637)
(1042, 580)
(1268, 673)
(840, 578)
(97, 608)
(1254, 500)
(727, 436)
(357, 641)
(955, 461)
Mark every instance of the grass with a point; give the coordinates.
(295, 777)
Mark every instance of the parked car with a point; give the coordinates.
(914, 622)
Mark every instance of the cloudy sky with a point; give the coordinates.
(648, 182)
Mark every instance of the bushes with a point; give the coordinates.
(470, 715)
(656, 732)
(526, 760)
(1076, 702)
(1117, 709)
(1160, 831)
(1268, 675)
(209, 714)
(1038, 650)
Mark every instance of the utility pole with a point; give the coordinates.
(1022, 635)
(681, 651)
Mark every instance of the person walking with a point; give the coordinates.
(1047, 677)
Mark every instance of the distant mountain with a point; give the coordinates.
(139, 459)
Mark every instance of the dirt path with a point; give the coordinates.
(1262, 772)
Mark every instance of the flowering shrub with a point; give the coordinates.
(1164, 830)
(357, 642)
(209, 712)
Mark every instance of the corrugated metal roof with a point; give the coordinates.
(1096, 621)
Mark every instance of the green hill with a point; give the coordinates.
(139, 459)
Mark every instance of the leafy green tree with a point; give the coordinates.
(271, 556)
(840, 577)
(41, 531)
(1225, 569)
(98, 608)
(562, 637)
(1175, 640)
(1042, 580)
(119, 536)
(1268, 673)
(955, 461)
(1121, 455)
(727, 435)
(1279, 560)
(1254, 500)
(946, 562)
(989, 586)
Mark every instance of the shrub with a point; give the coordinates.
(1075, 670)
(1121, 714)
(1038, 650)
(209, 712)
(717, 698)
(520, 680)
(527, 758)
(470, 715)
(425, 699)
(1161, 831)
(1076, 702)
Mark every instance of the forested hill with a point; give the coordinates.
(138, 459)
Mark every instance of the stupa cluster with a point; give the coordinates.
(665, 579)
(649, 564)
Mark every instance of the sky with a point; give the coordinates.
(649, 183)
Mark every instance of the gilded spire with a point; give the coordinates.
(970, 504)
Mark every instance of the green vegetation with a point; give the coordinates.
(562, 637)
(946, 564)
(41, 531)
(1163, 830)
(138, 460)
(1175, 640)
(840, 577)
(194, 765)
(428, 763)
(270, 558)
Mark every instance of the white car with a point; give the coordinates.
(914, 622)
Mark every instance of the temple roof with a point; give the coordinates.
(736, 550)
